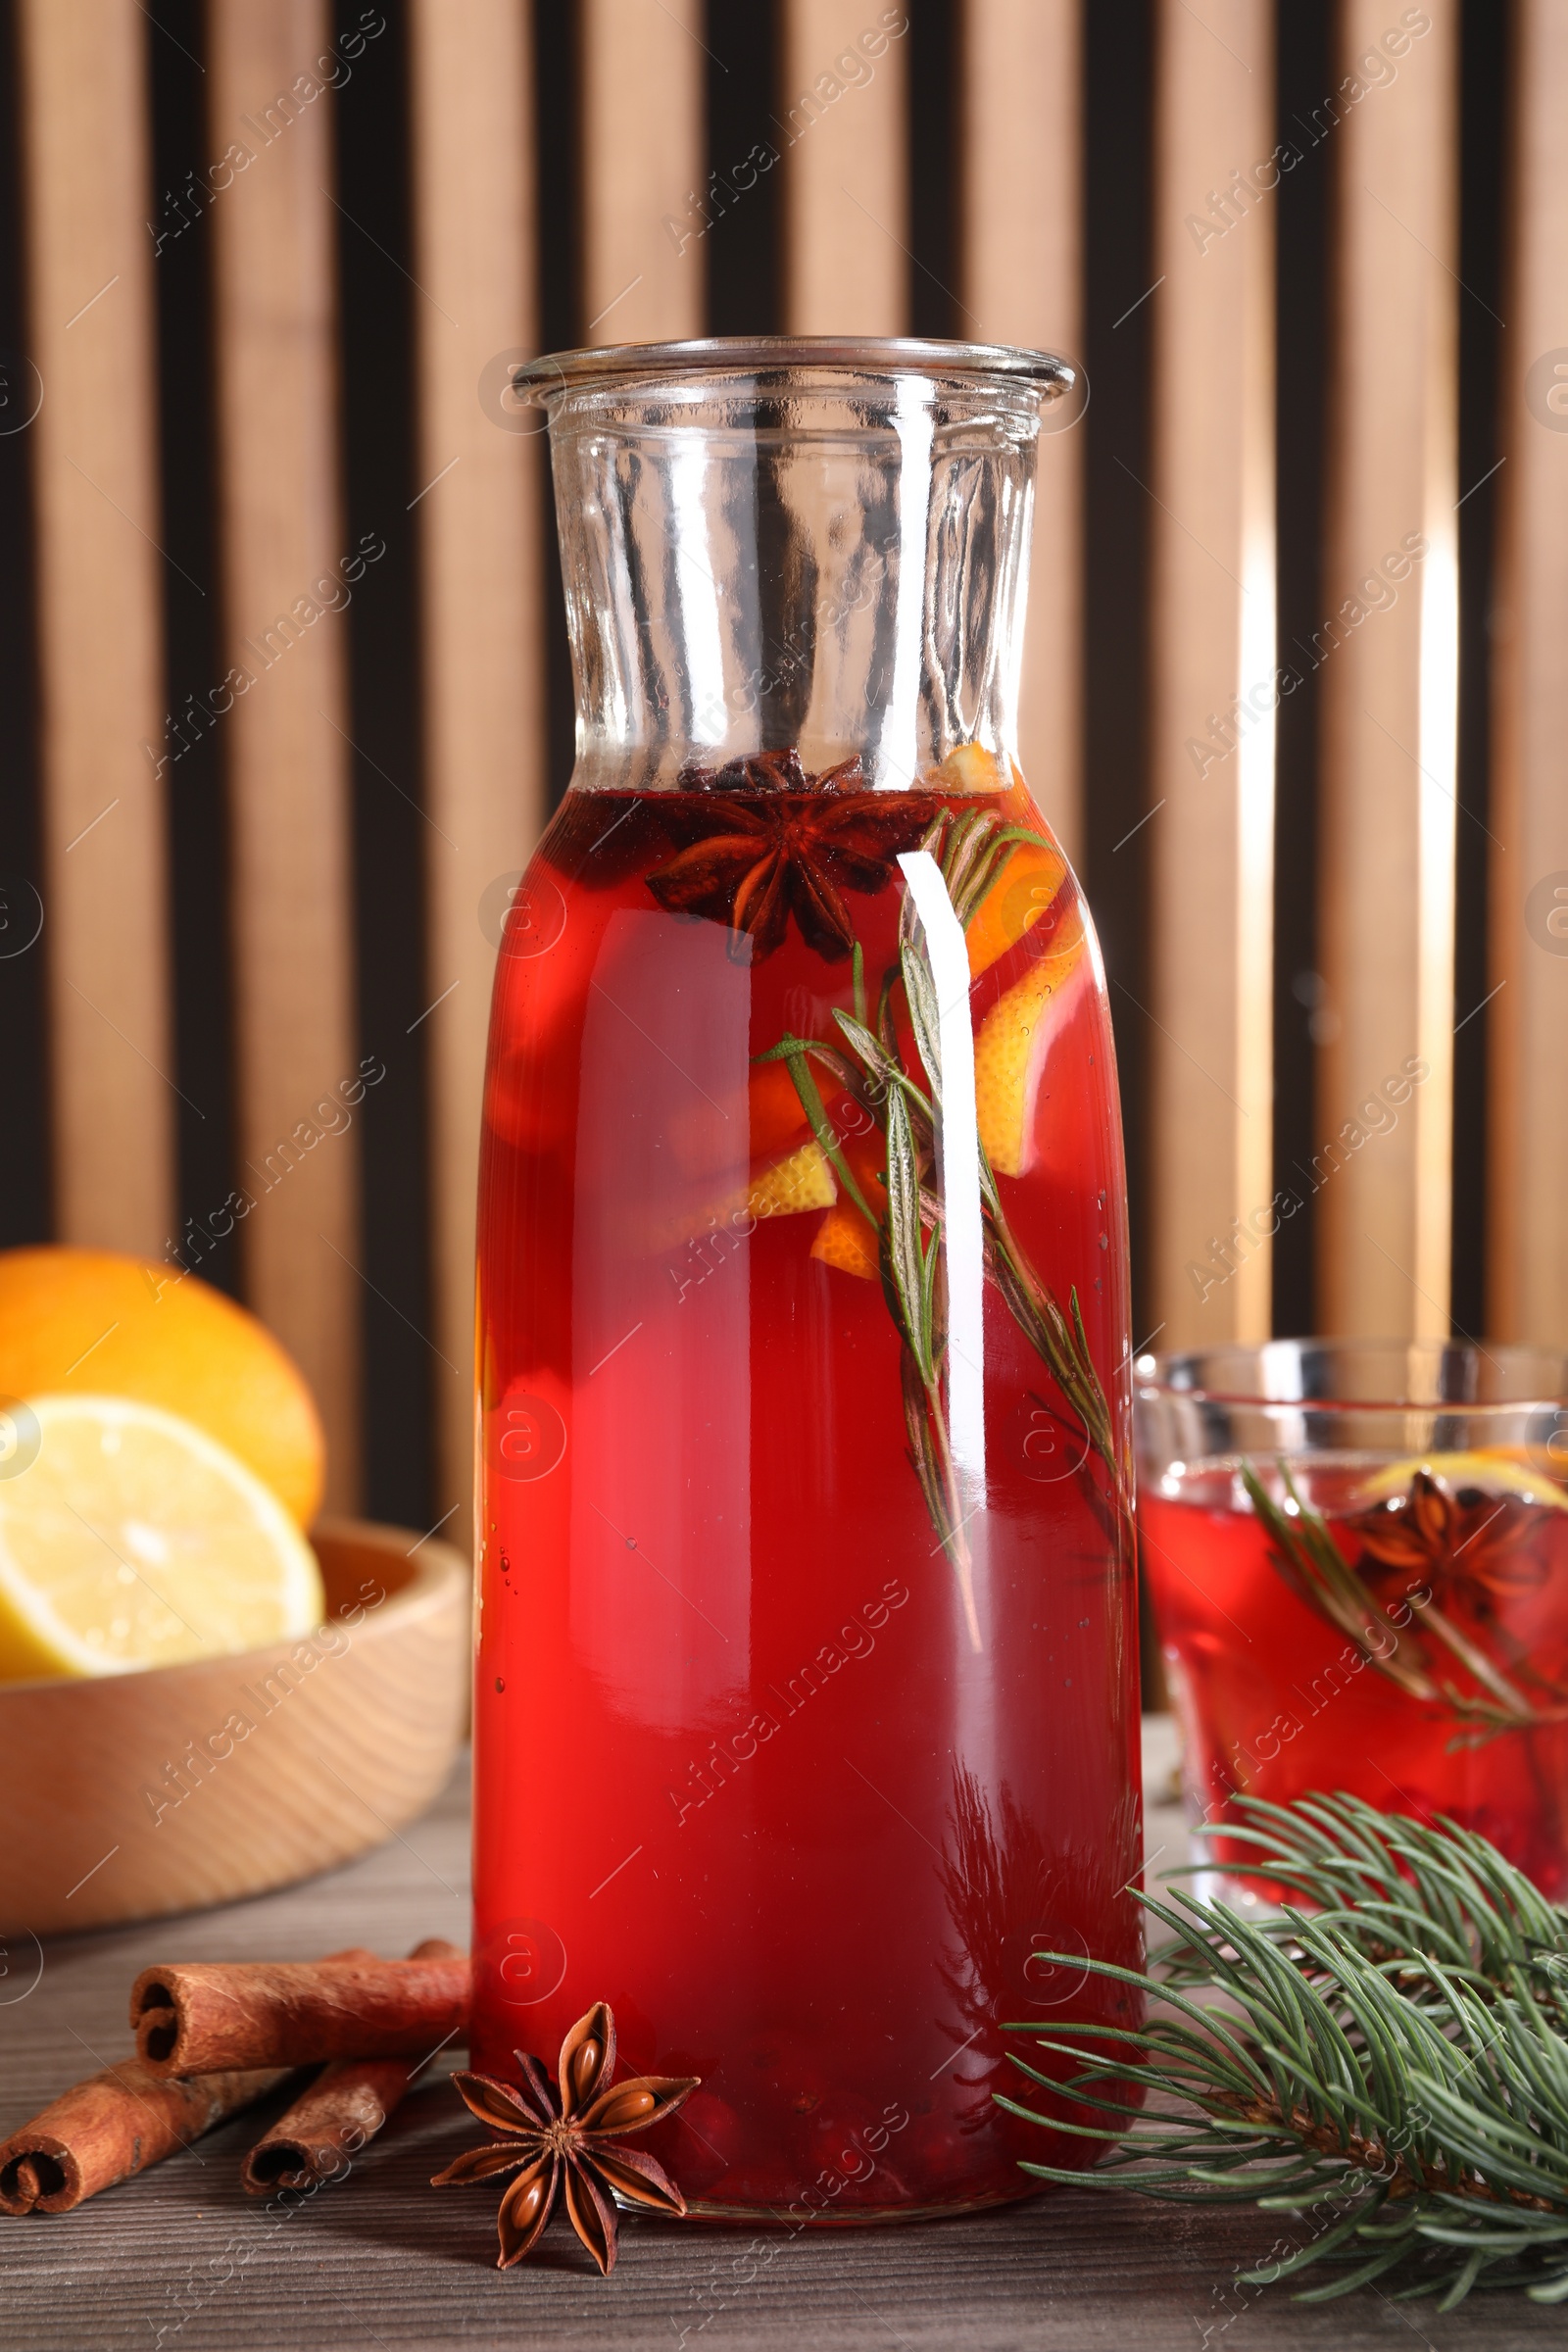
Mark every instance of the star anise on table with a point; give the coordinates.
(765, 837)
(1474, 1545)
(568, 2140)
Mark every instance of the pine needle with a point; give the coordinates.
(1392, 2065)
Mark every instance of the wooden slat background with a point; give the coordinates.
(1390, 688)
(518, 178)
(643, 162)
(1529, 1239)
(846, 174)
(1021, 159)
(284, 563)
(83, 101)
(479, 549)
(1214, 587)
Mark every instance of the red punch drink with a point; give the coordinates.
(1358, 1558)
(741, 1770)
(805, 1700)
(1446, 1697)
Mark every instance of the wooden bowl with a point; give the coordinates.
(130, 1796)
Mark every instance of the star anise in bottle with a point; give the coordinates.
(568, 2139)
(765, 837)
(1471, 1546)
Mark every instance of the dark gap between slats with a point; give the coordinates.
(190, 742)
(744, 145)
(558, 99)
(392, 839)
(1119, 273)
(933, 304)
(1304, 76)
(24, 1177)
(1485, 61)
(1117, 276)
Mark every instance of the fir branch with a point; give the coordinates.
(1393, 2065)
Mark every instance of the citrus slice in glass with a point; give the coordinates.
(129, 1539)
(1501, 1470)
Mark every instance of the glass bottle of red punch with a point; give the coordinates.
(805, 1703)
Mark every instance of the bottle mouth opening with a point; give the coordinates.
(867, 359)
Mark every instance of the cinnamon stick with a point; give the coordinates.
(119, 2122)
(205, 2017)
(116, 2124)
(344, 2107)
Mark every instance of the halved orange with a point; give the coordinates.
(91, 1321)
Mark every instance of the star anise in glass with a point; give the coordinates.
(765, 837)
(568, 2140)
(1471, 1546)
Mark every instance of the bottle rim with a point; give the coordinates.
(874, 356)
(1328, 1375)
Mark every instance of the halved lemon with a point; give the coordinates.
(130, 1538)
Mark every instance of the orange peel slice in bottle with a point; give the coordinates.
(1014, 1042)
(846, 1237)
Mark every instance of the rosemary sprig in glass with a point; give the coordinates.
(1392, 2065)
(1305, 1553)
(867, 1063)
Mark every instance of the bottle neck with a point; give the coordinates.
(806, 571)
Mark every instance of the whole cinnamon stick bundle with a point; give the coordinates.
(117, 2123)
(344, 2107)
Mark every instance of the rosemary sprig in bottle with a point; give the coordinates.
(1392, 2065)
(867, 1063)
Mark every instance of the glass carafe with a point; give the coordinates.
(806, 1707)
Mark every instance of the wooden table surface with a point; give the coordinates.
(181, 2259)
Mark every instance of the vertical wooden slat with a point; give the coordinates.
(1021, 272)
(643, 199)
(1213, 684)
(84, 105)
(480, 547)
(274, 312)
(1388, 682)
(1528, 1243)
(841, 132)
